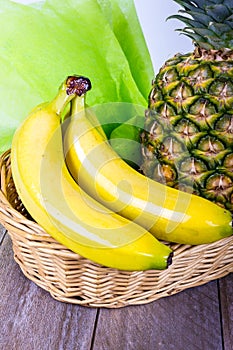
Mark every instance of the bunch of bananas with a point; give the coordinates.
(86, 197)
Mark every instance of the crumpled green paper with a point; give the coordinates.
(41, 44)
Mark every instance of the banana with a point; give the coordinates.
(61, 207)
(169, 214)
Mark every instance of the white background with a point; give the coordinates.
(162, 40)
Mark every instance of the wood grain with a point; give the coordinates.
(226, 299)
(30, 319)
(188, 320)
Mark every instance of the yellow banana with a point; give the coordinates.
(61, 207)
(167, 213)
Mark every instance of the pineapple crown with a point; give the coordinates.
(208, 22)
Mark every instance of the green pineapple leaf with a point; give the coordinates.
(187, 5)
(218, 12)
(208, 23)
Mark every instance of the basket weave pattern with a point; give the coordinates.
(70, 278)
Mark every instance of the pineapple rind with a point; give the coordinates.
(190, 121)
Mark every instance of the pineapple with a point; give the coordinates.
(188, 138)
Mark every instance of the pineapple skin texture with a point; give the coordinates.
(188, 138)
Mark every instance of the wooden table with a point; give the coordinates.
(30, 319)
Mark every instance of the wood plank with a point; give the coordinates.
(188, 320)
(226, 298)
(31, 319)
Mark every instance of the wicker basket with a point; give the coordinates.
(71, 278)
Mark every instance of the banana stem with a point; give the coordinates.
(78, 105)
(73, 86)
(78, 110)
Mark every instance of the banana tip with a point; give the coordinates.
(169, 259)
